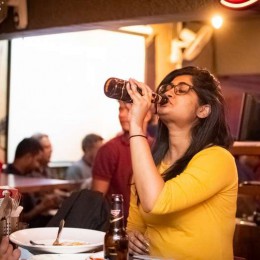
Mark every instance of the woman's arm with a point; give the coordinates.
(148, 181)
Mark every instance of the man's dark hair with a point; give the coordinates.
(27, 145)
(90, 140)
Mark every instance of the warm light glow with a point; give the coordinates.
(217, 21)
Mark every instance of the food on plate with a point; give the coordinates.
(73, 243)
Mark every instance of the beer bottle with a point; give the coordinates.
(116, 88)
(116, 238)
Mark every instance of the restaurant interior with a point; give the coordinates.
(231, 52)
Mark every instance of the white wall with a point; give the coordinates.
(3, 82)
(57, 86)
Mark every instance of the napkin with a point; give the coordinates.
(16, 213)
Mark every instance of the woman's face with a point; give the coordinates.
(181, 109)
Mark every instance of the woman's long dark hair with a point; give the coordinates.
(209, 131)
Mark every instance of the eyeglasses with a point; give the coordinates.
(180, 89)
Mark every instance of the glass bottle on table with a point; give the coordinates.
(116, 238)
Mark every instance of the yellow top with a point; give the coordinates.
(194, 216)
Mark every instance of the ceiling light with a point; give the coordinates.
(217, 21)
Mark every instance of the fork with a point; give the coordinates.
(36, 244)
(61, 225)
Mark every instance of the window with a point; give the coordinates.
(56, 86)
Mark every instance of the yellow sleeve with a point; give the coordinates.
(135, 220)
(210, 172)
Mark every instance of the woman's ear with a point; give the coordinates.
(203, 111)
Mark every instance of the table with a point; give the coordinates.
(245, 148)
(250, 188)
(32, 184)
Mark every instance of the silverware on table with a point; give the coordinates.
(61, 225)
(36, 244)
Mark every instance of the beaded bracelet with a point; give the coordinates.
(137, 135)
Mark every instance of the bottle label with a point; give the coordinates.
(115, 212)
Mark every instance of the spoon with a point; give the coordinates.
(36, 244)
(57, 242)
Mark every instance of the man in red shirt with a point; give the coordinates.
(112, 169)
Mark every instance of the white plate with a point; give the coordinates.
(67, 256)
(92, 238)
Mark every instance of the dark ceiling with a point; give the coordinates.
(48, 16)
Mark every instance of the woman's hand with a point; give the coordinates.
(138, 244)
(140, 107)
(7, 252)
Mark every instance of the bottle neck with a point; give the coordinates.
(116, 216)
(159, 99)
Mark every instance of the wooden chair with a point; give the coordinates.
(246, 242)
(239, 258)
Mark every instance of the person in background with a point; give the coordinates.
(183, 201)
(112, 169)
(251, 163)
(44, 169)
(152, 127)
(82, 169)
(248, 170)
(26, 160)
(7, 252)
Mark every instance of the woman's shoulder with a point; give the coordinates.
(215, 159)
(216, 150)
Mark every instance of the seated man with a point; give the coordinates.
(26, 158)
(44, 169)
(81, 170)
